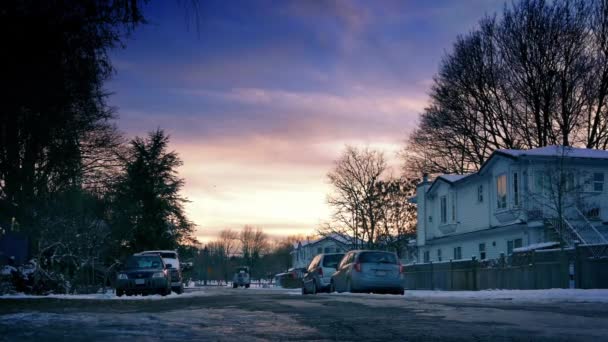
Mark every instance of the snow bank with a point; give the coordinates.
(550, 295)
(106, 296)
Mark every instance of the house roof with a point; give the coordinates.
(450, 179)
(547, 151)
(557, 151)
(337, 237)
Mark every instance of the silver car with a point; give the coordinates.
(318, 275)
(368, 271)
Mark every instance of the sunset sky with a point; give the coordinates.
(265, 94)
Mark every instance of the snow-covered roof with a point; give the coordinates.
(450, 178)
(335, 236)
(536, 246)
(547, 151)
(454, 177)
(557, 151)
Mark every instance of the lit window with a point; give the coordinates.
(501, 192)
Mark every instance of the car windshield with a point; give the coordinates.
(378, 257)
(332, 260)
(143, 262)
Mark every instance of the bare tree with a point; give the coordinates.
(254, 243)
(534, 77)
(355, 199)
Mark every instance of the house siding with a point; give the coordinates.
(485, 222)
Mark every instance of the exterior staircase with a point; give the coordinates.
(579, 231)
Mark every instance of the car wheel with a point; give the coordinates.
(332, 287)
(234, 286)
(246, 286)
(348, 286)
(304, 290)
(119, 293)
(314, 288)
(179, 289)
(401, 292)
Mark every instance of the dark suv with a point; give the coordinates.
(143, 274)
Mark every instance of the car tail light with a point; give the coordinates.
(320, 271)
(401, 268)
(357, 267)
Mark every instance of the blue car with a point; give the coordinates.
(368, 271)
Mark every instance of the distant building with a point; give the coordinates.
(511, 203)
(303, 251)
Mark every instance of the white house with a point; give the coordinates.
(518, 198)
(303, 251)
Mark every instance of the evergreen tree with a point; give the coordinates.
(149, 210)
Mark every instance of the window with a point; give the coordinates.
(482, 251)
(480, 194)
(427, 256)
(512, 244)
(439, 254)
(598, 181)
(501, 192)
(453, 201)
(515, 190)
(444, 209)
(539, 182)
(457, 253)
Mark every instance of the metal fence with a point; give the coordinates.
(527, 270)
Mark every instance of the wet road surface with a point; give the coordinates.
(223, 314)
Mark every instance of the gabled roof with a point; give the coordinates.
(450, 179)
(337, 237)
(557, 151)
(547, 151)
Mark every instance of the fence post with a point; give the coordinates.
(432, 277)
(501, 271)
(451, 275)
(474, 262)
(578, 267)
(534, 284)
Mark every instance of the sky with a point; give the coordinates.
(260, 97)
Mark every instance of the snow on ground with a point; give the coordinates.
(106, 296)
(549, 295)
(537, 296)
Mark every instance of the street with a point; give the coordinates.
(223, 314)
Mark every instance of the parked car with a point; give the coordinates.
(368, 271)
(171, 259)
(241, 277)
(143, 274)
(318, 275)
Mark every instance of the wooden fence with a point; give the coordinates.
(527, 270)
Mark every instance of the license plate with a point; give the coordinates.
(381, 273)
(140, 281)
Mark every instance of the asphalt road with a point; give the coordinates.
(223, 314)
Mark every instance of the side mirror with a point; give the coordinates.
(167, 266)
